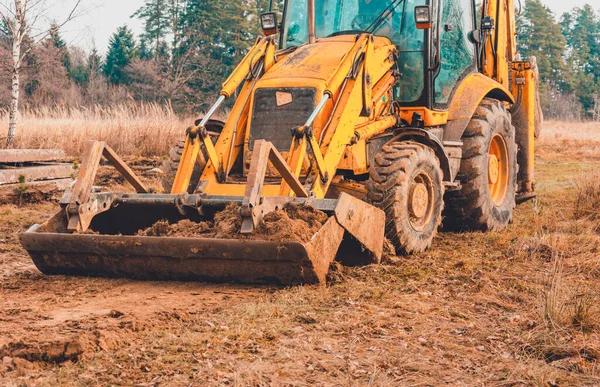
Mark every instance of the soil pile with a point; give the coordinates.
(227, 223)
(292, 223)
(185, 228)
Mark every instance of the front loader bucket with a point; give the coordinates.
(189, 259)
(104, 234)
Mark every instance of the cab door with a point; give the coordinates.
(458, 51)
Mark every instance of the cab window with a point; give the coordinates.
(392, 19)
(457, 51)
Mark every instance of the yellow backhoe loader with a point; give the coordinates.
(378, 113)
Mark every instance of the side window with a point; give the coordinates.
(330, 16)
(410, 62)
(457, 51)
(296, 28)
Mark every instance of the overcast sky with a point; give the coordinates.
(100, 18)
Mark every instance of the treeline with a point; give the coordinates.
(568, 56)
(186, 50)
(188, 47)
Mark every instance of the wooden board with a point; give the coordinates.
(30, 155)
(37, 173)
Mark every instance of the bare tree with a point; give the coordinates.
(19, 17)
(596, 108)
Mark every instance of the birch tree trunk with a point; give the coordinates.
(17, 24)
(17, 38)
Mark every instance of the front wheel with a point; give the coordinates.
(406, 182)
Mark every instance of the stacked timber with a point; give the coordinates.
(33, 172)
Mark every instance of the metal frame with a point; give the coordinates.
(82, 205)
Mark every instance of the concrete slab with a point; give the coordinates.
(30, 155)
(36, 173)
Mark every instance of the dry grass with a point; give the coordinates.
(564, 307)
(131, 129)
(587, 199)
(580, 131)
(151, 129)
(570, 141)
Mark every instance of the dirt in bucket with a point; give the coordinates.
(292, 223)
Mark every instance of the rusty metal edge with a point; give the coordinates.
(160, 258)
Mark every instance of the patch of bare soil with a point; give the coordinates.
(29, 195)
(292, 223)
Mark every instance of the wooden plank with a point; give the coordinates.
(124, 169)
(30, 155)
(87, 173)
(41, 186)
(44, 172)
(286, 173)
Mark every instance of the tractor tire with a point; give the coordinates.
(488, 172)
(406, 182)
(171, 164)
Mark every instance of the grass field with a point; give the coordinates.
(511, 308)
(131, 129)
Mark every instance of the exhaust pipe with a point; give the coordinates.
(311, 22)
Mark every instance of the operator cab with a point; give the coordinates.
(427, 79)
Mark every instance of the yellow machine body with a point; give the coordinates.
(306, 68)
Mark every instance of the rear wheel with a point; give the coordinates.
(406, 182)
(488, 172)
(170, 165)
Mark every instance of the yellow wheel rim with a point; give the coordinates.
(498, 174)
(421, 201)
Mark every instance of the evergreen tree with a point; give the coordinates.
(94, 62)
(57, 41)
(217, 34)
(144, 52)
(540, 36)
(121, 50)
(79, 69)
(581, 28)
(91, 69)
(156, 15)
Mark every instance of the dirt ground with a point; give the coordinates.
(511, 308)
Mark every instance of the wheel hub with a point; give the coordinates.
(498, 170)
(419, 199)
(493, 169)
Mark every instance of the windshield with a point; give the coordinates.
(336, 17)
(391, 18)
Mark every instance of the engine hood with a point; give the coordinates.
(311, 65)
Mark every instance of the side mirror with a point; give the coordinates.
(423, 17)
(475, 36)
(268, 23)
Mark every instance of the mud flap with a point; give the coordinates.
(363, 222)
